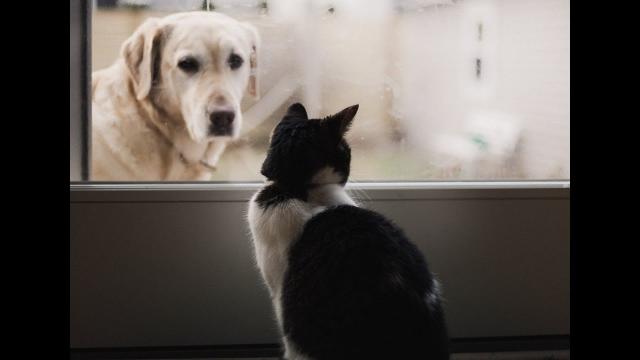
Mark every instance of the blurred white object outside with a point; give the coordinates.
(488, 139)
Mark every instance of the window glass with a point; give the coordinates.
(448, 90)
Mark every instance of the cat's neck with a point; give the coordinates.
(322, 195)
(329, 195)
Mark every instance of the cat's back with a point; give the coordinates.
(357, 288)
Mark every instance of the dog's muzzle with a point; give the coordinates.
(221, 123)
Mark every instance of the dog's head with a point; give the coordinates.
(194, 69)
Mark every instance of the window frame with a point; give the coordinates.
(79, 101)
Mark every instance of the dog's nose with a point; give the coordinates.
(221, 122)
(222, 118)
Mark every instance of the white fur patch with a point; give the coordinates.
(327, 175)
(291, 352)
(432, 298)
(330, 195)
(274, 229)
(328, 191)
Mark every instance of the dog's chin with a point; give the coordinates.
(226, 133)
(198, 136)
(215, 132)
(199, 131)
(221, 137)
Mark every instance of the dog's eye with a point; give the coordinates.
(235, 61)
(188, 64)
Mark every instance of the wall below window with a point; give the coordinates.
(176, 268)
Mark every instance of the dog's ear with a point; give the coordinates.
(339, 123)
(253, 88)
(139, 52)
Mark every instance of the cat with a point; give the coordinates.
(345, 282)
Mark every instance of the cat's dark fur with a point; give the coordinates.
(351, 285)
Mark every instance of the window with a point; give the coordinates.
(448, 90)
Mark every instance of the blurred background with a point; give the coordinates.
(448, 90)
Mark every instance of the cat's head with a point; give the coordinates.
(306, 152)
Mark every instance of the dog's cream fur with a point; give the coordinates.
(275, 228)
(150, 119)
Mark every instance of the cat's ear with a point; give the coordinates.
(341, 122)
(297, 111)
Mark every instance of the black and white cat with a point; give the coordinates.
(345, 282)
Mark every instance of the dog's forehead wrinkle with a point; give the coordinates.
(232, 43)
(194, 33)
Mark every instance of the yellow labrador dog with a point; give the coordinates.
(167, 107)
